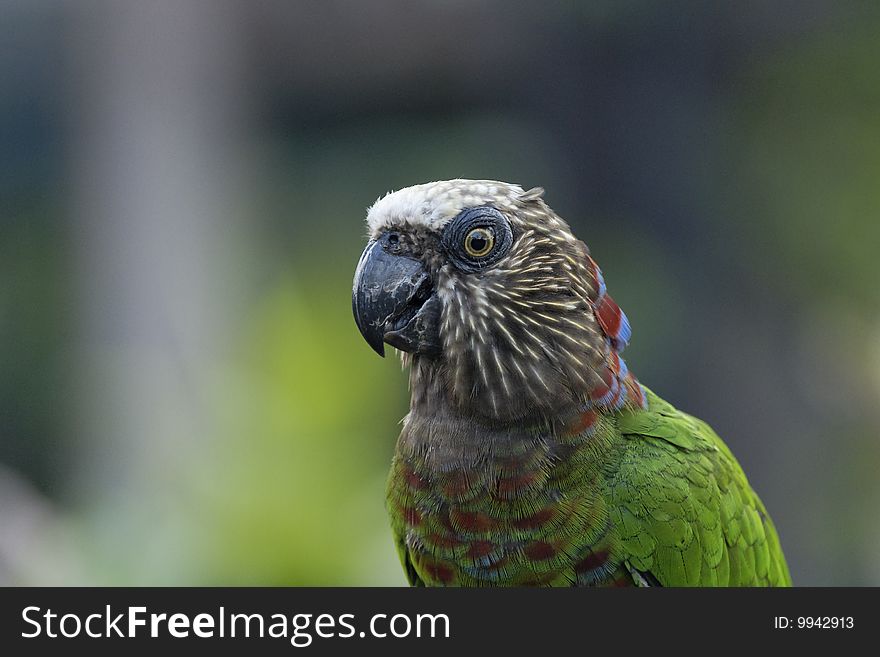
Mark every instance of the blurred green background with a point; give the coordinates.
(184, 397)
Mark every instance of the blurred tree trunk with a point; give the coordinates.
(156, 160)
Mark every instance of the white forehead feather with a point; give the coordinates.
(435, 203)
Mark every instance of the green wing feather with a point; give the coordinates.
(411, 575)
(684, 511)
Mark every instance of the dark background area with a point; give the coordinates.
(184, 397)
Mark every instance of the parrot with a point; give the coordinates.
(531, 455)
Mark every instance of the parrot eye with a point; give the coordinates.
(477, 238)
(479, 242)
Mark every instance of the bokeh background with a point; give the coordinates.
(184, 397)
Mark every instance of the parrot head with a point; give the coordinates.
(494, 304)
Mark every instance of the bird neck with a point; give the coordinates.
(443, 444)
(431, 396)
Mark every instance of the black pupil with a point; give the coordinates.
(479, 241)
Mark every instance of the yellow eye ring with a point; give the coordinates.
(479, 242)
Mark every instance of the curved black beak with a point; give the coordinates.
(394, 301)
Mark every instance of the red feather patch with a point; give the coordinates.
(608, 313)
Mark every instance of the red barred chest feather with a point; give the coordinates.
(531, 513)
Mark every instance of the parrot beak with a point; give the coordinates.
(394, 302)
